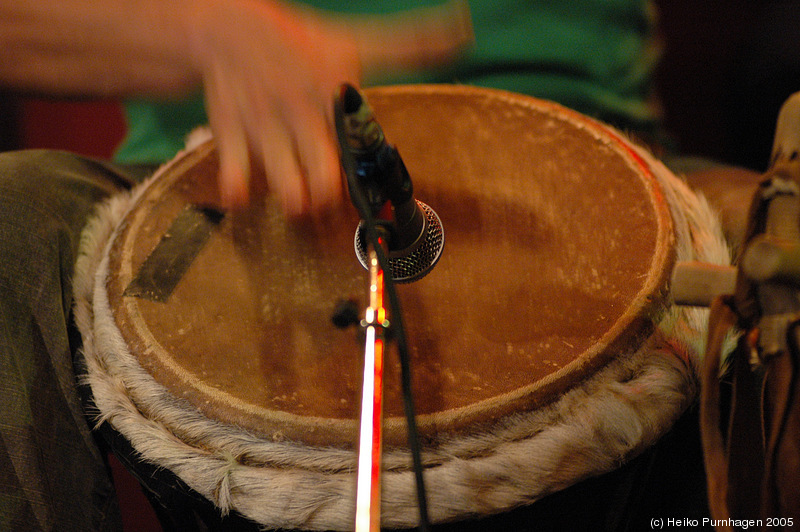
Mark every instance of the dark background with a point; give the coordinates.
(727, 68)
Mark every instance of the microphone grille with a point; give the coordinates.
(414, 265)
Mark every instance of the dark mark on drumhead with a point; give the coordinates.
(166, 265)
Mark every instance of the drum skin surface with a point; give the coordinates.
(558, 247)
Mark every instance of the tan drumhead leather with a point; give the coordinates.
(558, 245)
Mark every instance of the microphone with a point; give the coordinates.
(415, 233)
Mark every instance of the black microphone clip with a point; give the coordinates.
(415, 235)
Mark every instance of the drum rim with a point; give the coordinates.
(632, 327)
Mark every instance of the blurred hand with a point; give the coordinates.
(270, 73)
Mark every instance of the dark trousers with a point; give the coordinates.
(52, 474)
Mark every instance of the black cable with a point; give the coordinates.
(398, 329)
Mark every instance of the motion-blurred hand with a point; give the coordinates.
(270, 72)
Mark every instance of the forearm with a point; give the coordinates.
(85, 47)
(268, 70)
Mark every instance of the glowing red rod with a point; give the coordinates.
(368, 487)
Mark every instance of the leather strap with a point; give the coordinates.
(721, 320)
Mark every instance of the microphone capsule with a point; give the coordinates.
(415, 261)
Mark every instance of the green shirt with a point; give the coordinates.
(595, 56)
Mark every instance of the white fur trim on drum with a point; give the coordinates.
(592, 429)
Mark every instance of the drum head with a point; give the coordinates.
(558, 245)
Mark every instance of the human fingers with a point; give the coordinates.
(231, 138)
(280, 168)
(290, 134)
(317, 150)
(269, 94)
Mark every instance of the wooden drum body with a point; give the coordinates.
(544, 346)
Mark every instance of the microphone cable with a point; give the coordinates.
(359, 199)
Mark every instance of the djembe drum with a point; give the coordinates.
(545, 347)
